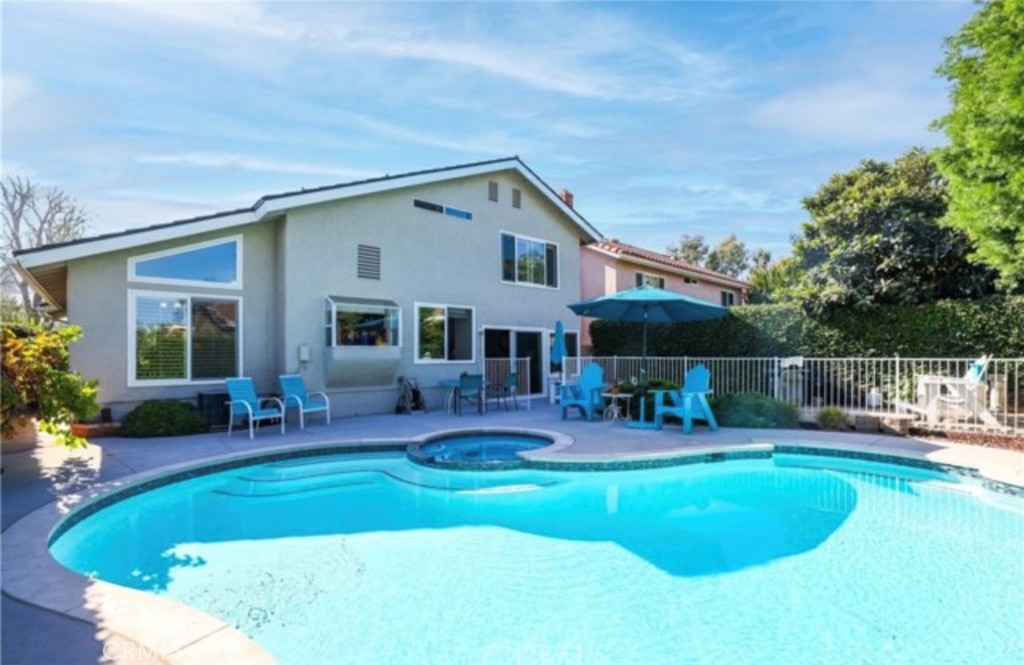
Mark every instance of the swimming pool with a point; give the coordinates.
(370, 558)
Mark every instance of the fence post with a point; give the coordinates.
(615, 368)
(899, 384)
(776, 371)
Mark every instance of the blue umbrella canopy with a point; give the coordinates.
(558, 350)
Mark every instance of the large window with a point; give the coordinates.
(362, 322)
(444, 333)
(215, 263)
(180, 338)
(528, 261)
(728, 298)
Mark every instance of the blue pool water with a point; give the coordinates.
(374, 559)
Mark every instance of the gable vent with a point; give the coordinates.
(517, 198)
(492, 191)
(368, 262)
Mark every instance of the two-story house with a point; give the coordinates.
(424, 274)
(609, 266)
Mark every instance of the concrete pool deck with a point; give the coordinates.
(51, 615)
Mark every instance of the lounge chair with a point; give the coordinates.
(245, 402)
(471, 389)
(689, 403)
(294, 390)
(585, 395)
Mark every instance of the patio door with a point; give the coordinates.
(513, 344)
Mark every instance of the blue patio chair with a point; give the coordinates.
(294, 390)
(244, 402)
(501, 392)
(471, 389)
(585, 395)
(689, 403)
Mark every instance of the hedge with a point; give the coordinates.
(950, 328)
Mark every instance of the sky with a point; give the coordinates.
(663, 119)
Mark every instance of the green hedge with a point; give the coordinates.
(951, 328)
(165, 417)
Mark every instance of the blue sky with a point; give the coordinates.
(661, 118)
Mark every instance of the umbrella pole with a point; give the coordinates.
(642, 424)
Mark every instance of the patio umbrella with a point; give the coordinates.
(647, 304)
(558, 350)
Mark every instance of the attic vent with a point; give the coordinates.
(427, 205)
(517, 198)
(492, 191)
(368, 262)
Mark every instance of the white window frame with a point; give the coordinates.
(648, 276)
(133, 261)
(134, 382)
(416, 335)
(333, 326)
(530, 285)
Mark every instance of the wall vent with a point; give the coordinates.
(427, 205)
(517, 198)
(368, 262)
(492, 191)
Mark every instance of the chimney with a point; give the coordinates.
(566, 196)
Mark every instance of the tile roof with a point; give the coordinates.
(614, 246)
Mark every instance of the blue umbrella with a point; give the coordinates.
(558, 350)
(647, 304)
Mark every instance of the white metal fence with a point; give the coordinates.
(932, 393)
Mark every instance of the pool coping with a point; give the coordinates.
(185, 634)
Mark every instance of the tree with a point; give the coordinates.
(875, 238)
(760, 258)
(728, 257)
(33, 217)
(775, 282)
(691, 249)
(984, 162)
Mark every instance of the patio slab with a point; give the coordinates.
(89, 619)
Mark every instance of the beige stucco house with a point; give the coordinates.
(609, 266)
(424, 274)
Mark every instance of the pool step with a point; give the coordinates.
(279, 479)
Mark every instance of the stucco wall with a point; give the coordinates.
(98, 301)
(426, 257)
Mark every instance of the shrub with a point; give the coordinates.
(833, 418)
(38, 381)
(754, 410)
(165, 417)
(948, 328)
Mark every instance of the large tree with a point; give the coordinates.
(875, 238)
(33, 217)
(691, 248)
(984, 162)
(728, 257)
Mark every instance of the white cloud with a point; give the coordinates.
(249, 163)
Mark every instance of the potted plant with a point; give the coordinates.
(38, 387)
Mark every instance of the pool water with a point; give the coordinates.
(374, 559)
(476, 451)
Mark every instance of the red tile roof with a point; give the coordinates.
(618, 248)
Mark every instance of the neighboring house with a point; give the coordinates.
(609, 266)
(423, 274)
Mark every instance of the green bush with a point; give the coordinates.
(949, 328)
(754, 410)
(832, 418)
(166, 417)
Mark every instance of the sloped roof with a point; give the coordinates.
(621, 249)
(43, 266)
